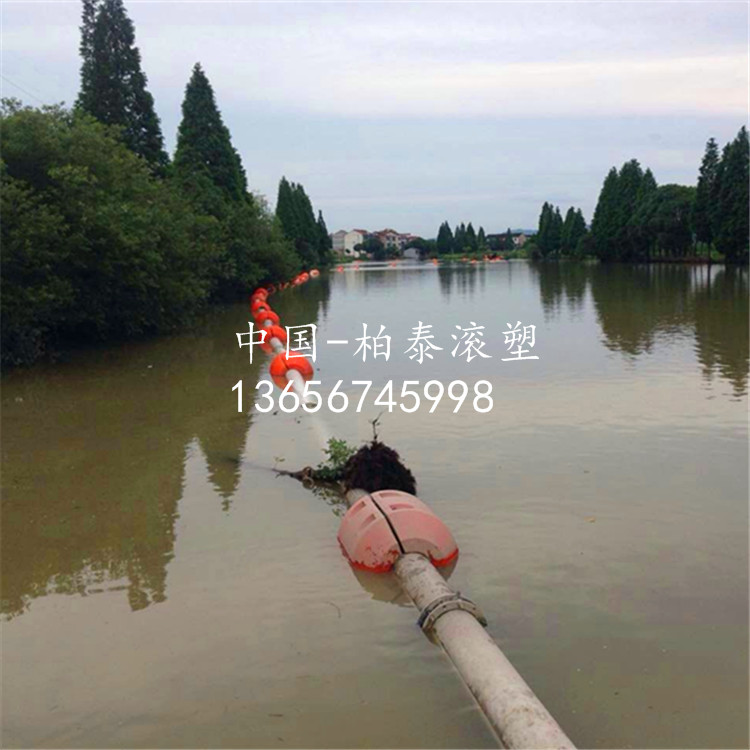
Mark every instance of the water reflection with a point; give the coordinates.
(94, 454)
(638, 306)
(721, 327)
(94, 450)
(560, 282)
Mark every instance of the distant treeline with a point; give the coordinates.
(464, 240)
(103, 237)
(637, 220)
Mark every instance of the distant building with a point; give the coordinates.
(344, 242)
(519, 238)
(411, 253)
(392, 238)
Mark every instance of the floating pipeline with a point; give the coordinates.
(380, 527)
(394, 531)
(282, 363)
(283, 369)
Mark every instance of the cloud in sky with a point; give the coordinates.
(408, 113)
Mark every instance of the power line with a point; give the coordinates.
(21, 88)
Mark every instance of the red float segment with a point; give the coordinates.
(381, 526)
(273, 332)
(260, 291)
(314, 273)
(282, 363)
(264, 315)
(259, 304)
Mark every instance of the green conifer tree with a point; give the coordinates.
(471, 238)
(567, 244)
(556, 227)
(285, 209)
(113, 86)
(706, 193)
(295, 214)
(605, 222)
(577, 231)
(542, 234)
(204, 146)
(629, 190)
(325, 244)
(732, 209)
(444, 241)
(481, 239)
(459, 238)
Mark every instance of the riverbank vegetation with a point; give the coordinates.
(637, 220)
(103, 236)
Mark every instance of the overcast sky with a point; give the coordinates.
(409, 113)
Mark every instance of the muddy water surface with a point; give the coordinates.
(161, 587)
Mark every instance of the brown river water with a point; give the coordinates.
(162, 587)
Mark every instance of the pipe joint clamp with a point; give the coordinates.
(436, 609)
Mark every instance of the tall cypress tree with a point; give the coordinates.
(481, 239)
(471, 238)
(732, 236)
(204, 145)
(86, 47)
(556, 227)
(444, 243)
(295, 214)
(578, 230)
(325, 244)
(285, 209)
(113, 86)
(706, 193)
(628, 192)
(459, 238)
(567, 244)
(542, 231)
(605, 221)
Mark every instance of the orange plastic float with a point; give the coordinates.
(260, 292)
(281, 364)
(259, 304)
(381, 526)
(273, 332)
(264, 315)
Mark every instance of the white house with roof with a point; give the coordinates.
(345, 241)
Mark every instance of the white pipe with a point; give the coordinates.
(516, 715)
(298, 382)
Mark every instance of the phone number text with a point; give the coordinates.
(409, 400)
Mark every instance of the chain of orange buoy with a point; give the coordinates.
(513, 711)
(284, 366)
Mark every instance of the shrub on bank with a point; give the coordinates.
(94, 247)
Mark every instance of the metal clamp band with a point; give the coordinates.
(436, 609)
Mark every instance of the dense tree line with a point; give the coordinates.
(720, 212)
(637, 220)
(295, 213)
(465, 239)
(558, 237)
(102, 236)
